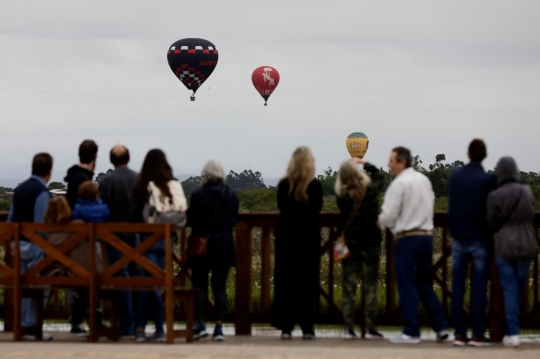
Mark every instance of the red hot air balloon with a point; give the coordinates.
(265, 79)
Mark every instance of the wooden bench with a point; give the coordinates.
(102, 285)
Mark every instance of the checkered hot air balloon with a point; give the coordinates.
(192, 61)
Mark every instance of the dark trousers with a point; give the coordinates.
(199, 273)
(124, 300)
(150, 304)
(413, 269)
(78, 303)
(475, 252)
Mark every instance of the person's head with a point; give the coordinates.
(477, 151)
(300, 173)
(87, 152)
(119, 156)
(42, 166)
(351, 180)
(89, 191)
(213, 172)
(400, 159)
(58, 211)
(155, 169)
(507, 171)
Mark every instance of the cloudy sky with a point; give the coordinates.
(430, 75)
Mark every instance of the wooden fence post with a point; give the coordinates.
(265, 269)
(244, 250)
(390, 277)
(497, 319)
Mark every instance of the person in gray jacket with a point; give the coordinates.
(115, 191)
(510, 212)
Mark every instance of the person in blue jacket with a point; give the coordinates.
(469, 188)
(89, 207)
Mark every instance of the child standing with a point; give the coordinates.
(88, 208)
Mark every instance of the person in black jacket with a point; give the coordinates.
(468, 191)
(76, 175)
(213, 211)
(116, 191)
(298, 245)
(84, 171)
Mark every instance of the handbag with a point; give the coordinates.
(198, 245)
(151, 213)
(341, 250)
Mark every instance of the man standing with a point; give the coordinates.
(407, 211)
(84, 171)
(76, 175)
(115, 191)
(29, 204)
(467, 218)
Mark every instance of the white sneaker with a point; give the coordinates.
(511, 341)
(405, 339)
(47, 337)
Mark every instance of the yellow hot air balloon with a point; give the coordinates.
(357, 144)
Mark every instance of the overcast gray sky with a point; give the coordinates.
(430, 75)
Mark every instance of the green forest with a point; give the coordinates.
(255, 196)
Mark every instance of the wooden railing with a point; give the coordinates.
(254, 275)
(69, 274)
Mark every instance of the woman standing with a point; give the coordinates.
(510, 212)
(357, 199)
(155, 180)
(298, 244)
(213, 211)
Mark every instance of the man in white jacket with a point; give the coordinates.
(407, 211)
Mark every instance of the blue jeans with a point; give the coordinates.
(31, 254)
(151, 302)
(413, 268)
(463, 252)
(513, 277)
(126, 321)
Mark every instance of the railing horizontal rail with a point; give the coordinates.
(253, 288)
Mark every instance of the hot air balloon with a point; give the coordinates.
(265, 79)
(192, 61)
(357, 144)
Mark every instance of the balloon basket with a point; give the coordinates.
(192, 97)
(265, 104)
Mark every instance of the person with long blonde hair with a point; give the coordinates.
(357, 198)
(298, 243)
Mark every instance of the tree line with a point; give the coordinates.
(255, 196)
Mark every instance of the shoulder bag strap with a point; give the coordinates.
(353, 214)
(514, 207)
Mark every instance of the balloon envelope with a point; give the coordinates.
(265, 79)
(357, 144)
(192, 61)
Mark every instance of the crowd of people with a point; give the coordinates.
(490, 219)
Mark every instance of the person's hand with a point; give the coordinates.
(359, 160)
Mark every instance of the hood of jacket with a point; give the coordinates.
(75, 170)
(214, 190)
(506, 171)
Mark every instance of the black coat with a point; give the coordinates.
(75, 177)
(298, 245)
(200, 216)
